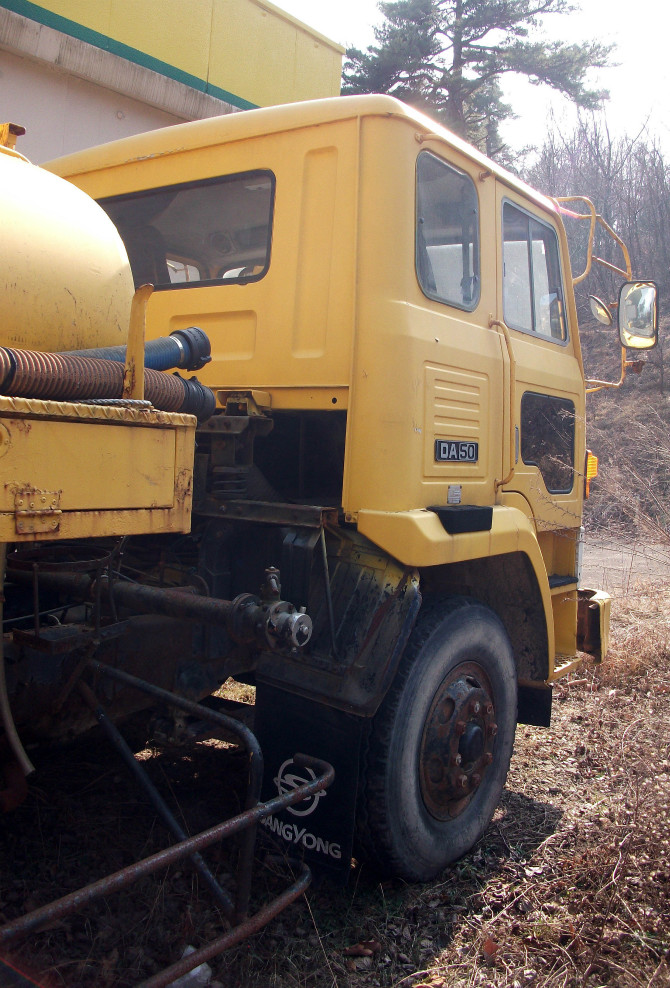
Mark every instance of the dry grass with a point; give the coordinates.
(570, 886)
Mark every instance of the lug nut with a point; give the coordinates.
(459, 727)
(475, 707)
(492, 730)
(488, 709)
(456, 760)
(462, 781)
(476, 779)
(488, 758)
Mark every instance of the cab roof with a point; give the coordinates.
(247, 124)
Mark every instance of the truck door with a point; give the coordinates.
(543, 440)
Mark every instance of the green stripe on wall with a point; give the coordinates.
(66, 26)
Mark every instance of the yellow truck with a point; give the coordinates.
(398, 450)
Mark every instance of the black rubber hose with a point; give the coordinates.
(198, 400)
(187, 349)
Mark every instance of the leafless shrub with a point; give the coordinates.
(628, 180)
(632, 494)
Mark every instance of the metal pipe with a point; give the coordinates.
(126, 876)
(36, 601)
(329, 597)
(248, 740)
(133, 365)
(173, 603)
(246, 929)
(6, 718)
(155, 797)
(248, 620)
(137, 597)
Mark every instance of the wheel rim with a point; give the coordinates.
(458, 741)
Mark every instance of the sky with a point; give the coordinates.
(639, 84)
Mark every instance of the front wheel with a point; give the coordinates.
(440, 744)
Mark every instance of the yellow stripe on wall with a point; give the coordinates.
(249, 49)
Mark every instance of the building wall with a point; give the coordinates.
(80, 72)
(63, 113)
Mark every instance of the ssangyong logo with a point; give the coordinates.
(290, 778)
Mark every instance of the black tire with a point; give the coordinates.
(454, 696)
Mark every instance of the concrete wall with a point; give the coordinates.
(63, 113)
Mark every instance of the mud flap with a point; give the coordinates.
(593, 622)
(321, 828)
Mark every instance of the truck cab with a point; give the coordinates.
(400, 429)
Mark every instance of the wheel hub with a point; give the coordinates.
(472, 743)
(458, 741)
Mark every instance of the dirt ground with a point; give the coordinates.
(570, 885)
(622, 565)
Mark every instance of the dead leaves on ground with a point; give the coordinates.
(360, 954)
(570, 887)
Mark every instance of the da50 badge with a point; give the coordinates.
(453, 451)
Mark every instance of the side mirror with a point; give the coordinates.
(638, 315)
(600, 311)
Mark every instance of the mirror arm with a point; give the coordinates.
(612, 267)
(593, 385)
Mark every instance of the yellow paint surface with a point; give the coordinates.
(339, 322)
(64, 272)
(249, 48)
(104, 475)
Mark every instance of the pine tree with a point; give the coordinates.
(447, 57)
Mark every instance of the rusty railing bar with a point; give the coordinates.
(246, 929)
(248, 740)
(325, 774)
(157, 801)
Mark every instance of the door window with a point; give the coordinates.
(533, 299)
(548, 439)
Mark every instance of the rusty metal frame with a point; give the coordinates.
(248, 741)
(244, 823)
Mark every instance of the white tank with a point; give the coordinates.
(64, 274)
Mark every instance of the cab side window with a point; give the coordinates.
(215, 231)
(447, 233)
(533, 299)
